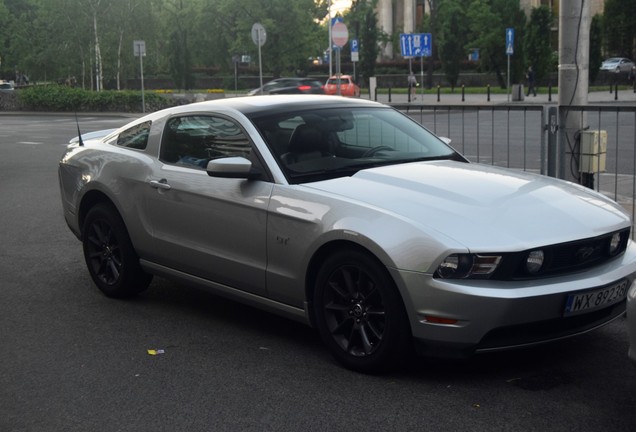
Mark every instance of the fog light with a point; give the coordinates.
(534, 262)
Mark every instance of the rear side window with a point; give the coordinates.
(135, 137)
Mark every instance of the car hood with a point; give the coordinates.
(482, 207)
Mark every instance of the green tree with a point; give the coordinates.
(364, 22)
(180, 14)
(596, 46)
(537, 42)
(290, 29)
(489, 20)
(620, 27)
(451, 38)
(91, 40)
(22, 41)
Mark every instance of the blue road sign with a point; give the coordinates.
(354, 45)
(510, 41)
(416, 45)
(406, 44)
(426, 42)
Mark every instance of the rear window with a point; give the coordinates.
(334, 81)
(135, 137)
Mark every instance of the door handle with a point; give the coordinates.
(160, 184)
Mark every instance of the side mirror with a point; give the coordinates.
(446, 140)
(231, 167)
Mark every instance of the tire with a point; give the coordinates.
(110, 257)
(359, 313)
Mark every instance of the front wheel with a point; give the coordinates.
(359, 313)
(109, 254)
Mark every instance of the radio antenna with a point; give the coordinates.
(81, 142)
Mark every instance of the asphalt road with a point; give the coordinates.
(73, 360)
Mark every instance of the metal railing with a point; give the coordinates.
(618, 178)
(512, 136)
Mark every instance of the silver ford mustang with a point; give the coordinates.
(349, 216)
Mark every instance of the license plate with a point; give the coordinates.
(596, 299)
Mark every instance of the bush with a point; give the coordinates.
(62, 98)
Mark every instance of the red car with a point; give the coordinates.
(347, 86)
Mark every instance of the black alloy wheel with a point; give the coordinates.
(109, 254)
(359, 312)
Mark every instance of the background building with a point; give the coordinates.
(596, 6)
(399, 16)
(402, 16)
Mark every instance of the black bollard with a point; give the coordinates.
(616, 92)
(438, 91)
(463, 92)
(488, 91)
(389, 94)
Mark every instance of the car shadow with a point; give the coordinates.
(540, 367)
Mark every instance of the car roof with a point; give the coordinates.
(292, 79)
(253, 106)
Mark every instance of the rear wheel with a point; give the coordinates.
(359, 312)
(109, 254)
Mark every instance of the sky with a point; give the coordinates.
(339, 5)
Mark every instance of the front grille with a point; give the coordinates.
(562, 258)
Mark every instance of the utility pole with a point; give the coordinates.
(330, 42)
(574, 44)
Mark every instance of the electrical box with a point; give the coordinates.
(593, 151)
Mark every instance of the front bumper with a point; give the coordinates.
(496, 315)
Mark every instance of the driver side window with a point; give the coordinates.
(194, 140)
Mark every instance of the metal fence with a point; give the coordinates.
(516, 136)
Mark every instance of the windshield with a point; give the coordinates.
(319, 144)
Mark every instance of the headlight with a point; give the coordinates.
(461, 266)
(534, 261)
(615, 244)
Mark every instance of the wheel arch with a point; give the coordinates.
(90, 200)
(318, 259)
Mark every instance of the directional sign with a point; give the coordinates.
(416, 45)
(406, 45)
(422, 42)
(510, 41)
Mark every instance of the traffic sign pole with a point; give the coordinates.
(510, 43)
(139, 49)
(340, 36)
(508, 84)
(259, 36)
